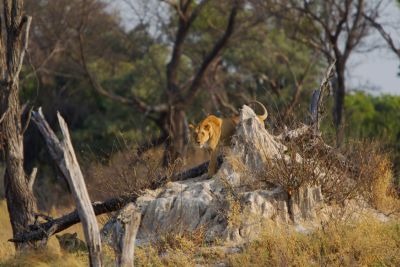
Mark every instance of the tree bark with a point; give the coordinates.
(120, 233)
(339, 102)
(131, 227)
(178, 136)
(21, 202)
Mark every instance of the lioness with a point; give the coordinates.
(71, 243)
(213, 132)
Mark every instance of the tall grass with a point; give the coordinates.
(365, 243)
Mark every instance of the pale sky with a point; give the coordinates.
(378, 69)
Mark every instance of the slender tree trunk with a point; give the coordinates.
(339, 102)
(21, 202)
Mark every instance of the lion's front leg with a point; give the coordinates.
(212, 166)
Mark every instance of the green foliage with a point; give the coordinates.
(373, 116)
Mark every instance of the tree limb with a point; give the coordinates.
(32, 178)
(134, 100)
(219, 45)
(186, 20)
(385, 35)
(26, 20)
(352, 37)
(298, 84)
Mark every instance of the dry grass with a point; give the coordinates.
(6, 248)
(367, 243)
(381, 192)
(172, 249)
(124, 173)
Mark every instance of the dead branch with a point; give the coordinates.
(219, 45)
(385, 35)
(186, 20)
(317, 98)
(132, 101)
(298, 84)
(32, 178)
(131, 226)
(59, 224)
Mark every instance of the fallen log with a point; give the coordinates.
(53, 226)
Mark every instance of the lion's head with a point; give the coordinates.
(204, 131)
(201, 134)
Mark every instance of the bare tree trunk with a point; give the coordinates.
(21, 202)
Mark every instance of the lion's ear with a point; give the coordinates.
(191, 126)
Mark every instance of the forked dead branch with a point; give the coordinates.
(63, 154)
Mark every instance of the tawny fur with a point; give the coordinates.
(213, 132)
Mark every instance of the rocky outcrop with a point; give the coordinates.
(234, 204)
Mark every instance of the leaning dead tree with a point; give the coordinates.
(64, 155)
(318, 97)
(14, 37)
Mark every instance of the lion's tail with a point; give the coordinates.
(264, 116)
